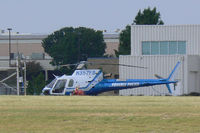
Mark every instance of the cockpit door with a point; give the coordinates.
(71, 83)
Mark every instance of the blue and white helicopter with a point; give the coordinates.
(92, 82)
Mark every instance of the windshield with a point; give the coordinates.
(50, 85)
(60, 86)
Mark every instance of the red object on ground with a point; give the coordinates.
(78, 92)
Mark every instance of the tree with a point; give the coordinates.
(147, 17)
(33, 69)
(35, 77)
(36, 85)
(68, 45)
(125, 41)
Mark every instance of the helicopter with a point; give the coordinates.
(92, 82)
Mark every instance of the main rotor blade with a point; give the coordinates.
(106, 64)
(117, 65)
(75, 64)
(67, 65)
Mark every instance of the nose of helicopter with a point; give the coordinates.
(45, 91)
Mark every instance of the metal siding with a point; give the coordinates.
(161, 65)
(188, 33)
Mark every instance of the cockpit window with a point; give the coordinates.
(50, 85)
(60, 86)
(71, 83)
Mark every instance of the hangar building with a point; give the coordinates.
(160, 47)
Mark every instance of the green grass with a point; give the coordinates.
(101, 114)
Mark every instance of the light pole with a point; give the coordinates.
(17, 45)
(9, 29)
(25, 77)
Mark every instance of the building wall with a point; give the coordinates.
(189, 73)
(25, 44)
(188, 33)
(25, 48)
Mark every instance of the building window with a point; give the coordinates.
(163, 47)
(155, 48)
(173, 47)
(181, 47)
(146, 48)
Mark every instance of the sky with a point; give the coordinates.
(47, 16)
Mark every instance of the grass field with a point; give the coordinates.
(101, 114)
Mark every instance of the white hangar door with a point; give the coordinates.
(193, 81)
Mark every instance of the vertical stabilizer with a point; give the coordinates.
(174, 71)
(171, 77)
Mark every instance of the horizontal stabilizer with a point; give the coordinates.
(159, 77)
